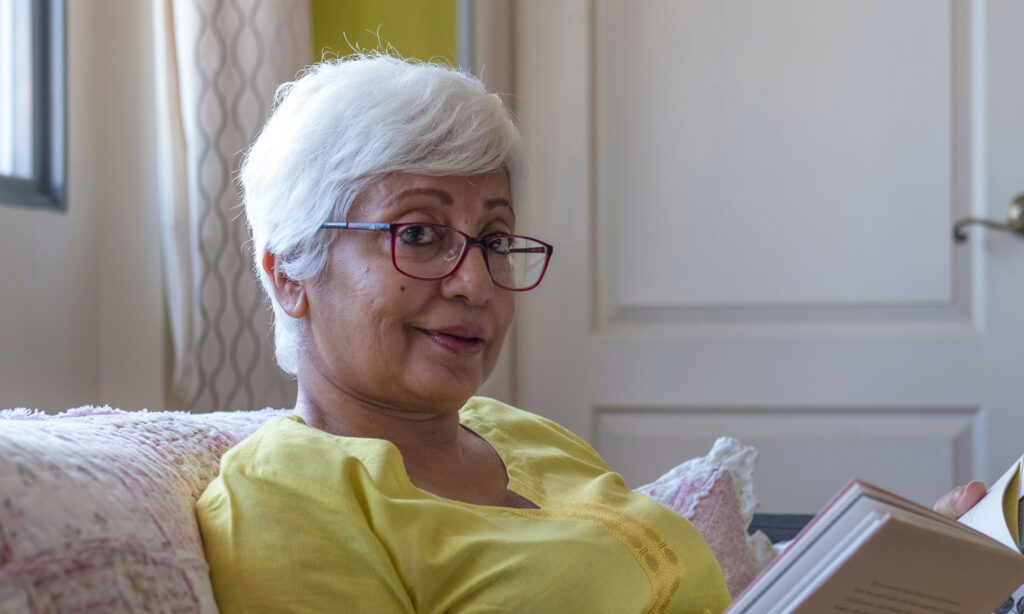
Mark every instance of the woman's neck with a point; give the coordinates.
(409, 429)
(440, 456)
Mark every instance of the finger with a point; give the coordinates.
(946, 504)
(962, 498)
(973, 493)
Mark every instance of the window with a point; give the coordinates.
(32, 103)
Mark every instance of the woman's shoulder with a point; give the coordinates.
(510, 427)
(488, 414)
(286, 450)
(279, 438)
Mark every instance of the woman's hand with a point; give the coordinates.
(962, 498)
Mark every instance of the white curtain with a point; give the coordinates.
(218, 63)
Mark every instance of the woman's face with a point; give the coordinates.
(388, 339)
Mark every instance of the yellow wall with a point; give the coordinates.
(423, 29)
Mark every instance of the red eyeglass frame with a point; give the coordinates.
(548, 249)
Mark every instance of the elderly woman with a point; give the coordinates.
(382, 200)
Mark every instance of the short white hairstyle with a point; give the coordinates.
(345, 124)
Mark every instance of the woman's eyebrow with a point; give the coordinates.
(494, 203)
(444, 197)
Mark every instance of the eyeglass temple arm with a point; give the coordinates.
(355, 226)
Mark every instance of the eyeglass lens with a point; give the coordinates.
(430, 251)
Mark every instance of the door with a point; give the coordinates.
(752, 207)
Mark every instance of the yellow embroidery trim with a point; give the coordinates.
(658, 559)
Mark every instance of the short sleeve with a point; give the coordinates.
(278, 544)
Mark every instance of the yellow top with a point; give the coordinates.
(300, 520)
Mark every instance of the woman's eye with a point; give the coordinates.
(501, 244)
(418, 235)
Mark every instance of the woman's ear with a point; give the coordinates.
(290, 294)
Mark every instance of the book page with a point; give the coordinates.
(1011, 506)
(817, 570)
(991, 516)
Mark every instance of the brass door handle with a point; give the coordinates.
(1014, 221)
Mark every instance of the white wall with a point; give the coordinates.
(81, 315)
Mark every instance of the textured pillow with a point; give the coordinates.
(715, 493)
(97, 508)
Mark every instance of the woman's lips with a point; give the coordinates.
(457, 339)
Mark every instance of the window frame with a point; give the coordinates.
(46, 188)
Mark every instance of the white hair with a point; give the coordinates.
(345, 124)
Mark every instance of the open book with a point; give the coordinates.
(869, 551)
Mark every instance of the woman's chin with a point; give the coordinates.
(448, 387)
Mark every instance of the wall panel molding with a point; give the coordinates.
(805, 454)
(919, 276)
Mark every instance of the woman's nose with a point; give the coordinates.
(472, 279)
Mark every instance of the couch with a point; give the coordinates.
(97, 507)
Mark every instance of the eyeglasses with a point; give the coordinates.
(435, 251)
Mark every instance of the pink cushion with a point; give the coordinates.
(97, 508)
(707, 498)
(716, 493)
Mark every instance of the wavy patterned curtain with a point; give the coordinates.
(218, 63)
